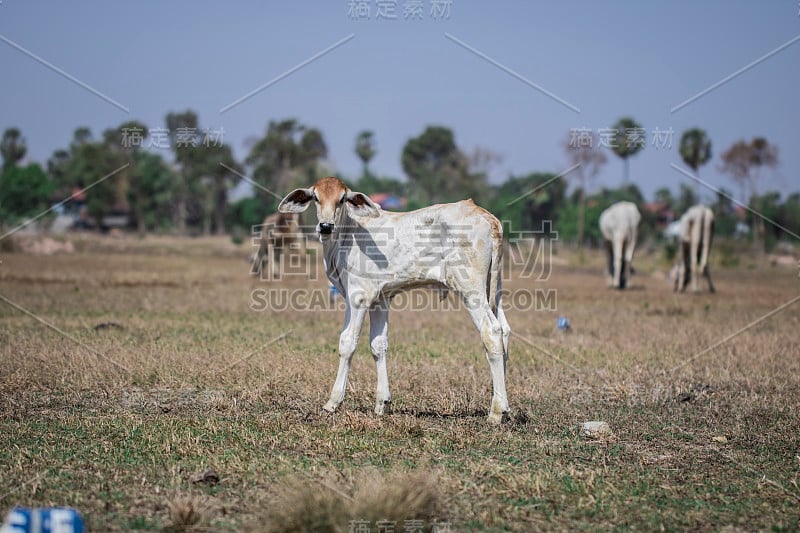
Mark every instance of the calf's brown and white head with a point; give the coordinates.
(331, 197)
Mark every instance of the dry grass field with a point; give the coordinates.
(142, 365)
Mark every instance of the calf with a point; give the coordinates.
(281, 232)
(696, 233)
(370, 255)
(619, 224)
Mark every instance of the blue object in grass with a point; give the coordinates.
(43, 520)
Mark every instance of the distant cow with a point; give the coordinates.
(619, 224)
(696, 234)
(281, 232)
(370, 255)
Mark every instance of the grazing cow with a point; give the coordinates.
(281, 232)
(618, 224)
(696, 234)
(370, 255)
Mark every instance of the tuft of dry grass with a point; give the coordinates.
(332, 503)
(188, 513)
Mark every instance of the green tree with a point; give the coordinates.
(365, 149)
(126, 140)
(245, 214)
(90, 162)
(630, 138)
(211, 164)
(97, 160)
(313, 151)
(56, 166)
(12, 147)
(60, 165)
(81, 135)
(153, 191)
(183, 137)
(205, 175)
(287, 156)
(371, 184)
(770, 206)
(438, 170)
(24, 191)
(525, 202)
(85, 164)
(790, 213)
(725, 219)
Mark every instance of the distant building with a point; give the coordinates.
(389, 201)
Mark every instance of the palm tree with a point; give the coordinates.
(630, 138)
(695, 149)
(12, 147)
(365, 149)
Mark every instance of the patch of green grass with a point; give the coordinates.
(142, 523)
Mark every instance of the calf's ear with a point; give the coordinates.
(296, 201)
(360, 205)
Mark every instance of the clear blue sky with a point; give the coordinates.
(609, 59)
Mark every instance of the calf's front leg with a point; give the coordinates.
(348, 340)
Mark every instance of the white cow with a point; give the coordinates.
(696, 234)
(371, 255)
(619, 224)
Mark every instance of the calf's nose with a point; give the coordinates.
(326, 228)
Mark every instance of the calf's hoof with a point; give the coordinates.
(329, 407)
(383, 408)
(498, 411)
(498, 418)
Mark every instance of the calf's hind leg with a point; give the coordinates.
(379, 345)
(492, 336)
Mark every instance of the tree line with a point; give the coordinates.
(184, 187)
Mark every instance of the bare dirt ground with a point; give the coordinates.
(131, 367)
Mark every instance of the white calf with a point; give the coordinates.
(619, 224)
(371, 255)
(696, 234)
